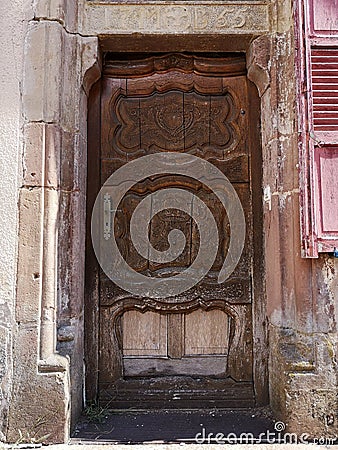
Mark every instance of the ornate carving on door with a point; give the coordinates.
(176, 121)
(166, 352)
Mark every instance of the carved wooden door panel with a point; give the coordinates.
(196, 348)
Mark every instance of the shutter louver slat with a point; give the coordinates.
(324, 71)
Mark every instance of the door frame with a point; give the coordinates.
(260, 338)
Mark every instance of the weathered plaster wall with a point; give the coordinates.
(14, 16)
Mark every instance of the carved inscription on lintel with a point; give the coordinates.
(116, 18)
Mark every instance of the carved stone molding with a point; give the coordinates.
(91, 63)
(258, 63)
(150, 18)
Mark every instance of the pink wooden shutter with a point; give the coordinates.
(318, 105)
(326, 197)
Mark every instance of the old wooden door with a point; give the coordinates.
(194, 349)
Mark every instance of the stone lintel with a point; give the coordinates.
(176, 18)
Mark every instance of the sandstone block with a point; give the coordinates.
(312, 411)
(42, 75)
(42, 149)
(59, 10)
(69, 82)
(39, 406)
(29, 256)
(171, 18)
(50, 9)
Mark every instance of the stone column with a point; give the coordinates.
(51, 227)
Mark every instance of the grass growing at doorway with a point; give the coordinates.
(96, 413)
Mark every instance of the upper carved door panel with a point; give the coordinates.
(179, 104)
(181, 112)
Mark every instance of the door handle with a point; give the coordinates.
(106, 216)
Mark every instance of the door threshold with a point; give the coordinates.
(177, 393)
(174, 426)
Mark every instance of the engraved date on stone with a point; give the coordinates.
(145, 18)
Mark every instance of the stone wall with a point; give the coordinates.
(51, 171)
(51, 58)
